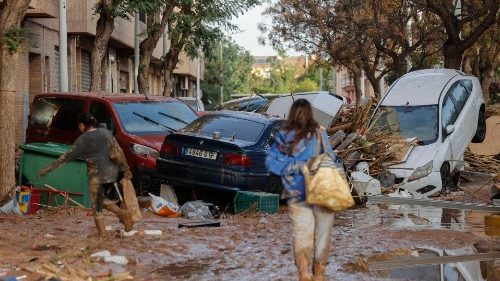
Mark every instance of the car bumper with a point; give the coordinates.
(427, 185)
(207, 176)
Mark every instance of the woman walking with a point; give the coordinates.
(105, 164)
(312, 225)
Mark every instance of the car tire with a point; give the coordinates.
(275, 186)
(455, 179)
(481, 127)
(446, 178)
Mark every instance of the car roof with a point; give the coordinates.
(118, 97)
(257, 117)
(422, 87)
(187, 98)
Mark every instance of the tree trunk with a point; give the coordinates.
(12, 13)
(356, 73)
(169, 65)
(147, 46)
(104, 72)
(375, 82)
(104, 29)
(452, 56)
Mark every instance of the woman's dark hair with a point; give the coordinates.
(87, 119)
(301, 120)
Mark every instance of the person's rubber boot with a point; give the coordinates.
(302, 262)
(318, 272)
(124, 215)
(101, 227)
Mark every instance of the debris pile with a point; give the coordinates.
(356, 143)
(489, 164)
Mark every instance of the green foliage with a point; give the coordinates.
(232, 71)
(13, 38)
(306, 85)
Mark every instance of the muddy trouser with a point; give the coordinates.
(312, 228)
(100, 195)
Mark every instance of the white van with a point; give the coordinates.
(445, 110)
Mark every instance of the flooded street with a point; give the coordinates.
(373, 242)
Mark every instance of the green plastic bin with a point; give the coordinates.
(261, 201)
(71, 177)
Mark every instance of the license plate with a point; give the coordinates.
(201, 153)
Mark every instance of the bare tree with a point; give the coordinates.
(464, 28)
(12, 13)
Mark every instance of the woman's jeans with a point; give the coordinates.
(312, 228)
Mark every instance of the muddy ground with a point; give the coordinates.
(250, 246)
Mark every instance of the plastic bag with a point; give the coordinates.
(164, 208)
(196, 210)
(12, 207)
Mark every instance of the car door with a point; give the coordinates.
(449, 116)
(465, 125)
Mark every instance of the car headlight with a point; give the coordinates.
(139, 149)
(421, 172)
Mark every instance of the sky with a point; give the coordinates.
(248, 37)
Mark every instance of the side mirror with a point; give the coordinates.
(449, 129)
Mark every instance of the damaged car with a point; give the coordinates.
(223, 150)
(441, 111)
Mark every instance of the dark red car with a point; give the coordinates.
(139, 124)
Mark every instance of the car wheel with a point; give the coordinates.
(481, 127)
(455, 179)
(275, 186)
(446, 179)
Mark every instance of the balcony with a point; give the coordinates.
(43, 9)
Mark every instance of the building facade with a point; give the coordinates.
(344, 84)
(38, 66)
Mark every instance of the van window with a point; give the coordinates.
(459, 95)
(102, 114)
(449, 113)
(57, 113)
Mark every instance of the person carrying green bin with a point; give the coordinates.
(106, 164)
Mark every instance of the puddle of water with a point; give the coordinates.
(415, 217)
(431, 264)
(184, 270)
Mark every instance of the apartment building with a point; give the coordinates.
(344, 81)
(38, 68)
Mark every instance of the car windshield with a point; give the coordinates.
(149, 117)
(409, 121)
(228, 127)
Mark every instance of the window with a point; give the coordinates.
(449, 114)
(467, 83)
(102, 114)
(229, 127)
(153, 116)
(409, 121)
(459, 96)
(58, 113)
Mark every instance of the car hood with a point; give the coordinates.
(419, 156)
(153, 141)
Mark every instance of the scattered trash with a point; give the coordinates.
(106, 256)
(200, 224)
(163, 207)
(124, 233)
(153, 232)
(48, 235)
(196, 210)
(365, 185)
(263, 220)
(109, 228)
(167, 192)
(12, 207)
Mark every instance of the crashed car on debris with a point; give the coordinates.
(222, 150)
(443, 110)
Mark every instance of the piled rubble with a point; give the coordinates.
(489, 164)
(366, 153)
